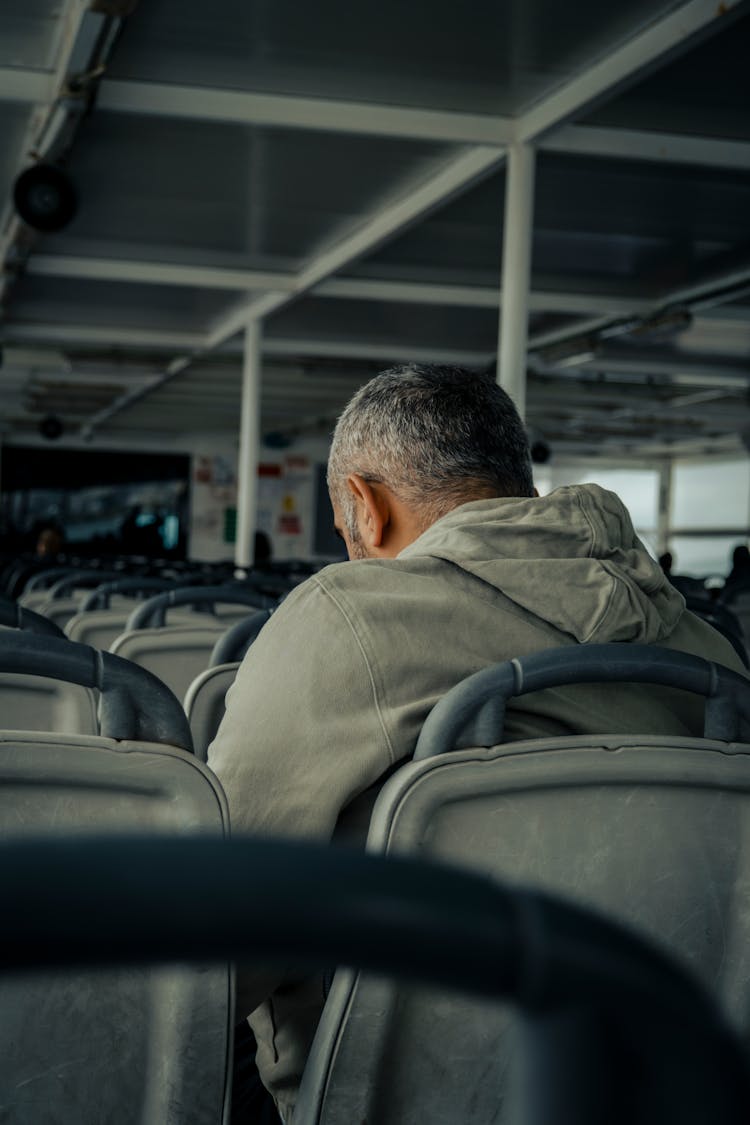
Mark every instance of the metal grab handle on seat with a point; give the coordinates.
(232, 645)
(152, 613)
(134, 704)
(43, 579)
(473, 712)
(78, 578)
(100, 597)
(17, 616)
(131, 900)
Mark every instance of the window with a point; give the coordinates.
(637, 488)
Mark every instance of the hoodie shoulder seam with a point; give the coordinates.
(327, 591)
(589, 522)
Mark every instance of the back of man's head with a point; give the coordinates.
(436, 436)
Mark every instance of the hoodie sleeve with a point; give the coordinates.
(302, 735)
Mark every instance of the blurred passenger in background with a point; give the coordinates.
(740, 571)
(49, 543)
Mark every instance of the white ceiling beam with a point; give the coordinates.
(157, 273)
(639, 144)
(348, 288)
(379, 353)
(241, 107)
(409, 292)
(29, 86)
(457, 175)
(476, 296)
(86, 335)
(621, 66)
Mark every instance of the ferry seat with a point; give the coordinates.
(134, 1045)
(41, 703)
(65, 597)
(37, 584)
(178, 653)
(649, 831)
(204, 700)
(104, 612)
(613, 1031)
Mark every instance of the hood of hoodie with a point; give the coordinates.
(571, 558)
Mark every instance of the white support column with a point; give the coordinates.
(247, 471)
(517, 235)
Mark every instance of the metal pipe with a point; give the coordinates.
(247, 472)
(517, 235)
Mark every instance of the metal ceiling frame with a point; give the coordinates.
(240, 107)
(55, 104)
(546, 125)
(348, 288)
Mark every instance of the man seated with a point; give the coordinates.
(459, 564)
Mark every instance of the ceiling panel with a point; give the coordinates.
(30, 30)
(269, 197)
(704, 93)
(487, 57)
(597, 219)
(377, 322)
(115, 304)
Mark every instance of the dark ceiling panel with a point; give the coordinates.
(705, 92)
(624, 220)
(489, 57)
(30, 30)
(272, 197)
(116, 303)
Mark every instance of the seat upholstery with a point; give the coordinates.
(40, 703)
(174, 653)
(132, 1046)
(100, 627)
(652, 832)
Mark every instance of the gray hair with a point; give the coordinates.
(436, 436)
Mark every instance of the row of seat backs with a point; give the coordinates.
(179, 653)
(133, 1045)
(665, 809)
(613, 1030)
(650, 832)
(33, 702)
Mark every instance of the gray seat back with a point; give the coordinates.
(60, 610)
(132, 704)
(652, 832)
(130, 1046)
(101, 627)
(174, 653)
(205, 706)
(42, 703)
(97, 627)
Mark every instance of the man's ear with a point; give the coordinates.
(372, 509)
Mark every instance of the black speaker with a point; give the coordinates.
(51, 427)
(45, 198)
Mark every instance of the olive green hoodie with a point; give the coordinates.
(335, 689)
